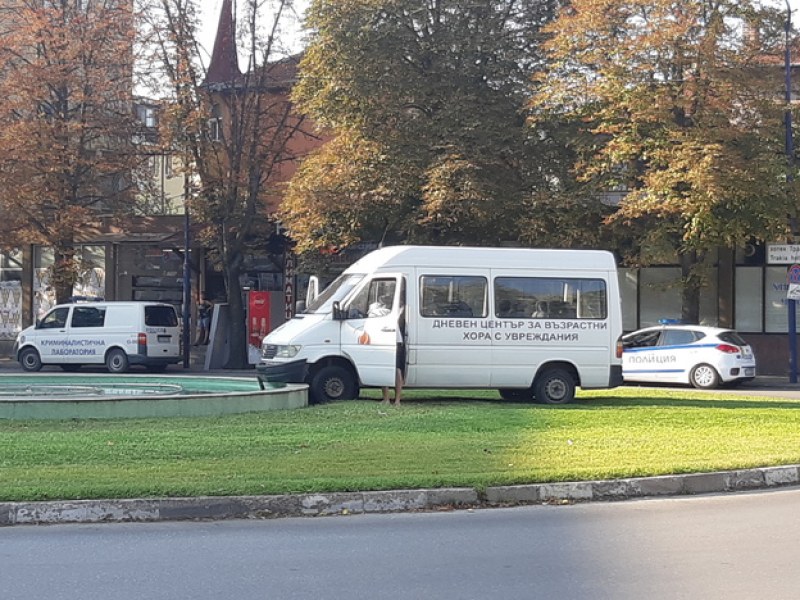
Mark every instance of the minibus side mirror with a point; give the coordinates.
(299, 307)
(337, 311)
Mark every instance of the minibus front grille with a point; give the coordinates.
(269, 351)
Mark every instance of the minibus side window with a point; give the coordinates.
(550, 298)
(453, 296)
(373, 300)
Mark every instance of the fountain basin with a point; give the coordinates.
(88, 396)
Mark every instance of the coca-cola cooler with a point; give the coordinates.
(264, 313)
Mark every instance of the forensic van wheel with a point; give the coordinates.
(332, 383)
(117, 361)
(554, 386)
(516, 394)
(704, 376)
(30, 360)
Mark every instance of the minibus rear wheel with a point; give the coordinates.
(330, 383)
(554, 386)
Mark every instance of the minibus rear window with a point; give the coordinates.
(160, 316)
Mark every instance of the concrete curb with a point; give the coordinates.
(343, 503)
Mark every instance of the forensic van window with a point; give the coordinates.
(55, 319)
(88, 316)
(550, 298)
(160, 316)
(453, 296)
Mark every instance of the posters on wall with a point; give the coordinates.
(10, 309)
(91, 285)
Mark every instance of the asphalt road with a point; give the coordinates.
(729, 546)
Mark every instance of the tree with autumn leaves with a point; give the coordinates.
(66, 124)
(236, 132)
(679, 104)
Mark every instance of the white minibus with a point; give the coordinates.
(531, 323)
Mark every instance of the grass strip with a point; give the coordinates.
(437, 438)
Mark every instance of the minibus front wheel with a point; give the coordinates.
(330, 383)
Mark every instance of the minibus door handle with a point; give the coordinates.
(388, 329)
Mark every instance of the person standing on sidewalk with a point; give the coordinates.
(204, 308)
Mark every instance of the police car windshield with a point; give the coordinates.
(337, 290)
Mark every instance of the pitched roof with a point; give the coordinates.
(224, 67)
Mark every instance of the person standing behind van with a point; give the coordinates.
(204, 308)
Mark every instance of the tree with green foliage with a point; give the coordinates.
(679, 104)
(425, 106)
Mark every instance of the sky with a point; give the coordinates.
(209, 14)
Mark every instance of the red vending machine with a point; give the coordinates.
(258, 321)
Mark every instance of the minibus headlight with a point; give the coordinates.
(289, 351)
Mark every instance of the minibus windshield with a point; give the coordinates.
(337, 290)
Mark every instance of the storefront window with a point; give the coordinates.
(660, 295)
(628, 282)
(748, 299)
(776, 317)
(11, 266)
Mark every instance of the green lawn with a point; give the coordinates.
(435, 439)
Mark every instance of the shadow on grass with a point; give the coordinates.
(609, 400)
(617, 401)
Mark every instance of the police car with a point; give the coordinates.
(704, 357)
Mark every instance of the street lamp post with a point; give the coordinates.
(187, 274)
(790, 303)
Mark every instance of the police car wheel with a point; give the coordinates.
(704, 376)
(332, 383)
(554, 386)
(117, 361)
(30, 360)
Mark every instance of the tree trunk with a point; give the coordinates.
(237, 335)
(62, 276)
(691, 287)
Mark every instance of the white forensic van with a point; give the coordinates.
(533, 324)
(116, 334)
